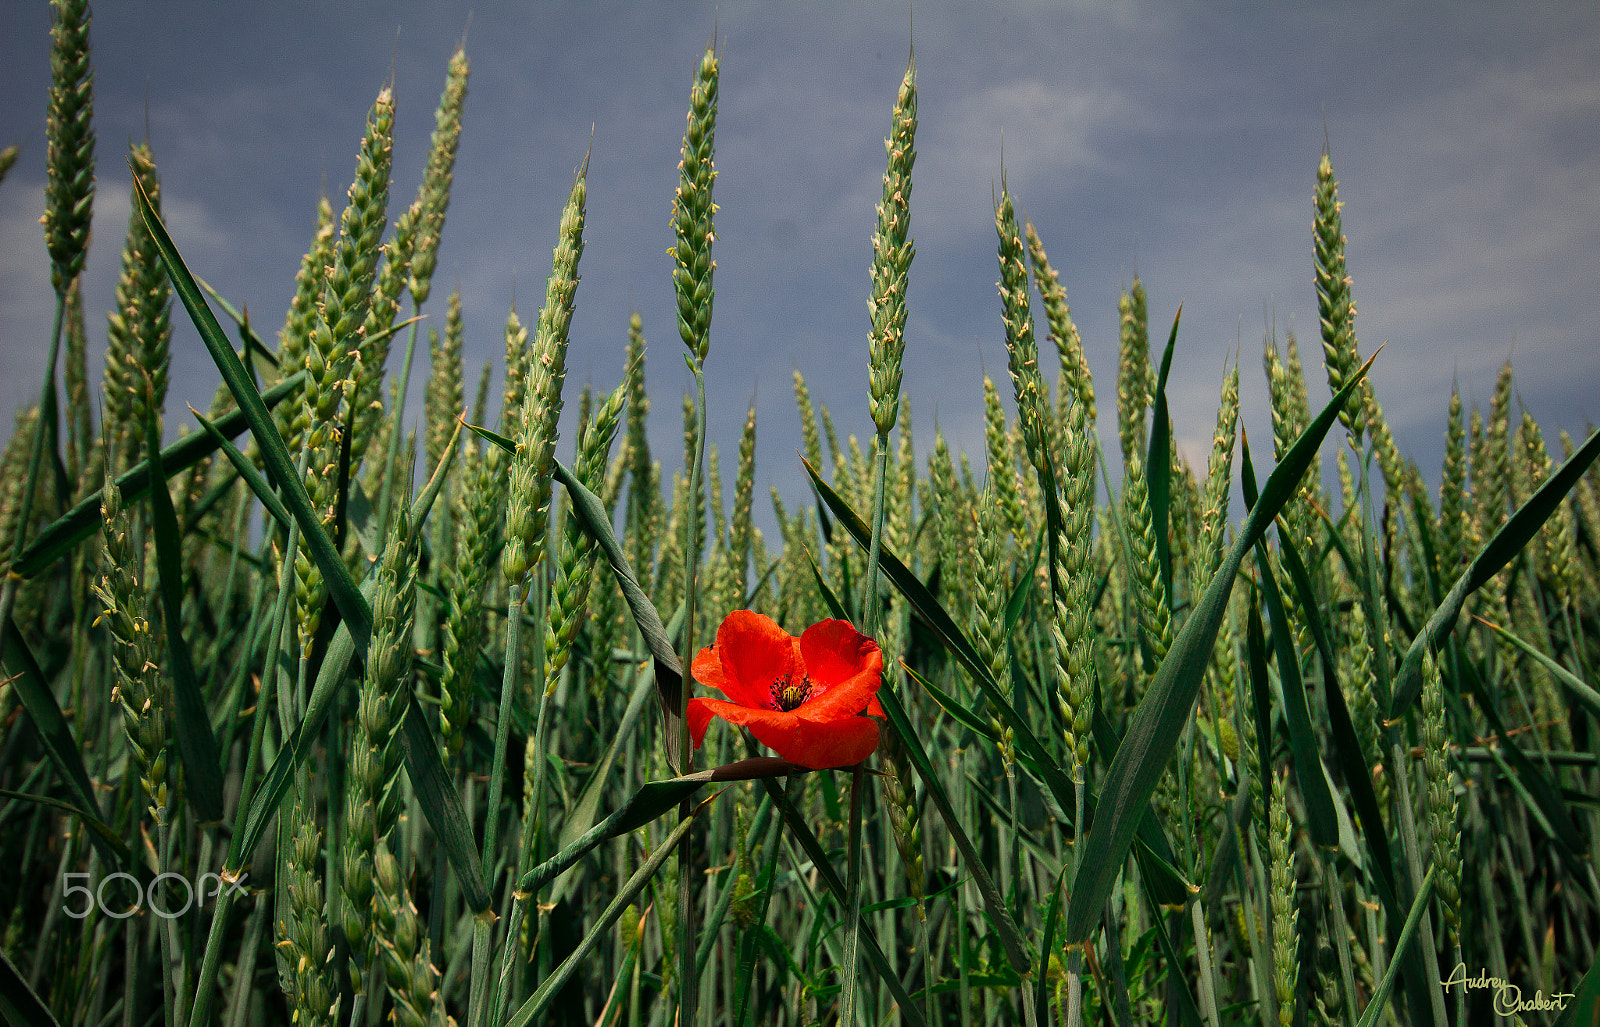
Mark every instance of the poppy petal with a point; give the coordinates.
(755, 653)
(841, 743)
(848, 663)
(707, 669)
(811, 744)
(833, 651)
(700, 713)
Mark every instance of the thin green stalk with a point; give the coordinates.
(869, 606)
(397, 418)
(1075, 960)
(852, 938)
(130, 976)
(927, 972)
(688, 980)
(1202, 949)
(531, 830)
(541, 999)
(1341, 936)
(483, 928)
(167, 931)
(1408, 839)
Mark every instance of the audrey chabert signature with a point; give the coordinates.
(1508, 999)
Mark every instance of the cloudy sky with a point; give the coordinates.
(1180, 140)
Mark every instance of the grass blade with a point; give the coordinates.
(196, 744)
(19, 1006)
(93, 823)
(900, 723)
(1158, 722)
(1158, 464)
(993, 902)
(591, 516)
(274, 454)
(1380, 994)
(1499, 551)
(1353, 762)
(27, 680)
(1576, 685)
(442, 806)
(336, 663)
(1297, 712)
(944, 627)
(83, 520)
(247, 470)
(1584, 1009)
(1544, 800)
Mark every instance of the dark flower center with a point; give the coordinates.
(786, 696)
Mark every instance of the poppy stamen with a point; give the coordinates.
(786, 696)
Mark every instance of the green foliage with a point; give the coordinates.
(1070, 679)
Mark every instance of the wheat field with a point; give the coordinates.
(308, 718)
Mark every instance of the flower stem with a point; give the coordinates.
(1075, 960)
(852, 938)
(688, 979)
(478, 1003)
(869, 607)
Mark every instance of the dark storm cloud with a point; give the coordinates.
(1181, 138)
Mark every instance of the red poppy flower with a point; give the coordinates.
(801, 697)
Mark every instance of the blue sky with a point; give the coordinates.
(1180, 138)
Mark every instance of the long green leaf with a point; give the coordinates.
(652, 800)
(1534, 788)
(591, 516)
(1165, 881)
(911, 743)
(803, 834)
(1152, 851)
(1158, 462)
(993, 902)
(422, 506)
(196, 744)
(255, 349)
(1314, 790)
(944, 627)
(93, 823)
(1380, 994)
(253, 478)
(336, 663)
(1158, 722)
(83, 520)
(1347, 744)
(274, 454)
(587, 809)
(28, 682)
(19, 1006)
(442, 806)
(1499, 551)
(1583, 1009)
(1577, 686)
